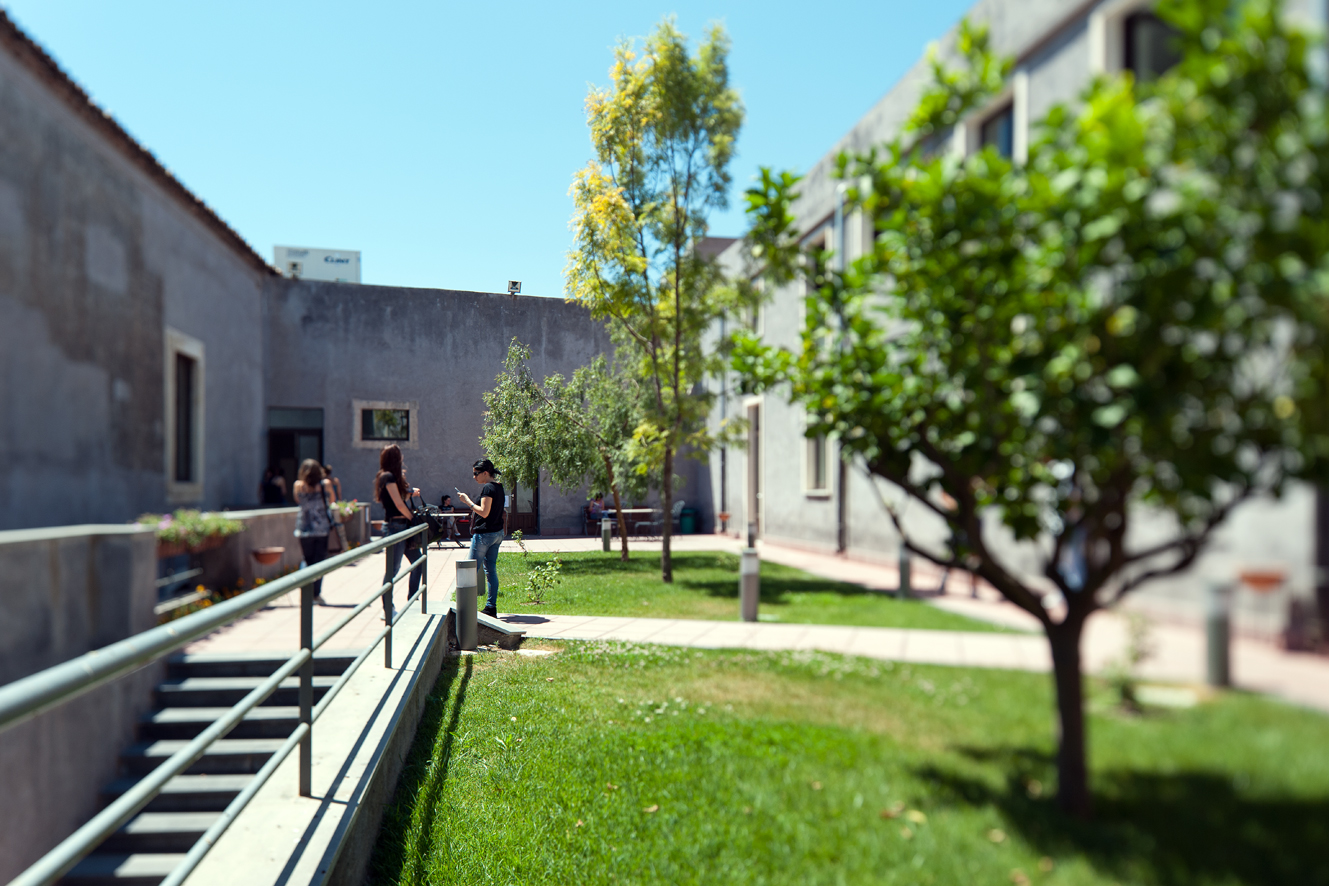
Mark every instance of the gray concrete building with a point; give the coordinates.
(150, 359)
(797, 491)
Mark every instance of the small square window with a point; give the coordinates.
(377, 422)
(385, 424)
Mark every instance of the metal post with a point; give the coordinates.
(307, 689)
(1218, 631)
(749, 584)
(604, 534)
(467, 629)
(387, 620)
(905, 573)
(424, 576)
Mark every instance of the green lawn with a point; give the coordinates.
(706, 586)
(609, 764)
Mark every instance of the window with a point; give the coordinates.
(184, 412)
(388, 425)
(818, 474)
(1150, 44)
(998, 132)
(375, 423)
(185, 370)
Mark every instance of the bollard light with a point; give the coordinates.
(905, 573)
(465, 605)
(1218, 634)
(749, 584)
(604, 533)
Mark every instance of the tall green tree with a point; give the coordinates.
(663, 134)
(1136, 317)
(580, 431)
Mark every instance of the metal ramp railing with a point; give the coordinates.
(31, 695)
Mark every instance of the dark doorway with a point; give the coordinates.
(293, 436)
(525, 513)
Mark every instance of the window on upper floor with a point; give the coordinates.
(1150, 46)
(998, 132)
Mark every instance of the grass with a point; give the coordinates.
(706, 586)
(613, 764)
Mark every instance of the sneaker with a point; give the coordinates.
(490, 611)
(319, 601)
(390, 617)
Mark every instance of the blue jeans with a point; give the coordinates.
(393, 559)
(485, 547)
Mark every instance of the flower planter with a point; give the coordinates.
(176, 548)
(268, 556)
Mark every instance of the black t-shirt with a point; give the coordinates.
(390, 511)
(494, 522)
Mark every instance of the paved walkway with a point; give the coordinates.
(1179, 649)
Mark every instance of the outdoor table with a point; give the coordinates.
(634, 517)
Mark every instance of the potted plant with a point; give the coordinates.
(189, 531)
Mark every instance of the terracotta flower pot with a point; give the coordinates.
(268, 556)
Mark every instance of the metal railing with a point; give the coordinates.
(26, 698)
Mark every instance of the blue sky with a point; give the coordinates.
(440, 138)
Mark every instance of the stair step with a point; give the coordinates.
(266, 721)
(157, 832)
(208, 692)
(253, 664)
(113, 869)
(186, 793)
(227, 755)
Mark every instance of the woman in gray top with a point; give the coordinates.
(312, 494)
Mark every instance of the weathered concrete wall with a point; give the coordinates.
(64, 592)
(233, 562)
(96, 259)
(331, 343)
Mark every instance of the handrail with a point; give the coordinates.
(29, 696)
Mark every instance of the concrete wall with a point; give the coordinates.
(96, 259)
(328, 344)
(64, 592)
(233, 562)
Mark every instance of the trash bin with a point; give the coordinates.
(687, 521)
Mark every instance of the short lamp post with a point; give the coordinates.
(467, 618)
(749, 584)
(605, 531)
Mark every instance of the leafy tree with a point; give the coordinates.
(1136, 317)
(663, 134)
(580, 430)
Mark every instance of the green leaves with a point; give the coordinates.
(1142, 304)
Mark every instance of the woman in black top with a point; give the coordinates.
(391, 491)
(486, 528)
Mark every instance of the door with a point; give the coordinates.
(288, 448)
(525, 511)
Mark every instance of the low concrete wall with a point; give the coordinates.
(65, 591)
(233, 562)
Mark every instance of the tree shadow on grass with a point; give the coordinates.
(406, 834)
(1149, 827)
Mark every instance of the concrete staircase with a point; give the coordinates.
(198, 689)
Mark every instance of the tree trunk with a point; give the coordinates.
(1072, 771)
(618, 508)
(667, 494)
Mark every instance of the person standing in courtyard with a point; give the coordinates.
(314, 522)
(486, 529)
(392, 491)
